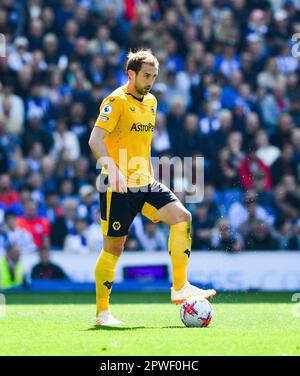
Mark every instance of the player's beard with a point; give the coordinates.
(141, 90)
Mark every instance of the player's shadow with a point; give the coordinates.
(119, 328)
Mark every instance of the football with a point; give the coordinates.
(196, 312)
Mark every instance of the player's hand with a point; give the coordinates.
(116, 179)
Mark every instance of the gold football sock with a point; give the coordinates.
(179, 245)
(104, 276)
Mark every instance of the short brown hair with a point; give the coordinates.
(139, 57)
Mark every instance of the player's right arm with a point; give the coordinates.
(116, 178)
(105, 123)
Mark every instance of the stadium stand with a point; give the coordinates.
(228, 90)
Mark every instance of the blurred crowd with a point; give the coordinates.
(228, 90)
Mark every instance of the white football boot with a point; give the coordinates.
(105, 318)
(187, 291)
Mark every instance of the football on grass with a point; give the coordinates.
(196, 312)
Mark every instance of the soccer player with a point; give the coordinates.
(122, 134)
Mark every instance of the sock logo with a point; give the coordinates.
(187, 252)
(108, 284)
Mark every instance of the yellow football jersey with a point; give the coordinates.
(130, 122)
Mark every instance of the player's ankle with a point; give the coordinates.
(178, 287)
(101, 311)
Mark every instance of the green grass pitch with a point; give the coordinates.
(62, 324)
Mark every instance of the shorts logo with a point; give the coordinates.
(116, 226)
(187, 252)
(107, 109)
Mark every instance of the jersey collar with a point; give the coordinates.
(133, 96)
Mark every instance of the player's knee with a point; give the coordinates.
(114, 245)
(184, 216)
(116, 249)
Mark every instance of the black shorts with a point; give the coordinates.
(118, 210)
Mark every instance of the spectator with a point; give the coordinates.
(271, 76)
(9, 199)
(250, 165)
(89, 204)
(65, 224)
(152, 239)
(223, 238)
(48, 172)
(67, 41)
(218, 139)
(54, 208)
(81, 172)
(274, 104)
(293, 92)
(260, 237)
(11, 108)
(11, 234)
(36, 133)
(282, 133)
(10, 145)
(209, 122)
(93, 235)
(47, 270)
(228, 62)
(284, 165)
(35, 155)
(52, 56)
(286, 63)
(37, 226)
(161, 140)
(202, 227)
(35, 35)
(292, 207)
(175, 120)
(230, 91)
(240, 212)
(225, 172)
(235, 143)
(77, 242)
(211, 203)
(295, 138)
(265, 152)
(102, 43)
(65, 142)
(12, 272)
(21, 56)
(191, 142)
(285, 237)
(252, 125)
(257, 23)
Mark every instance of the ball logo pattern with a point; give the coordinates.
(196, 312)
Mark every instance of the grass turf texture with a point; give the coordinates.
(62, 324)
